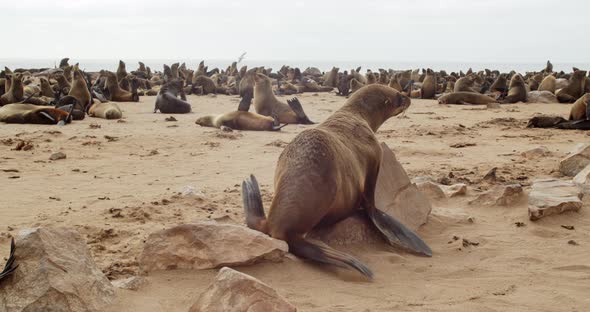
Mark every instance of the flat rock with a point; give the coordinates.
(429, 188)
(553, 196)
(55, 273)
(57, 156)
(582, 180)
(536, 152)
(501, 195)
(130, 283)
(576, 161)
(541, 97)
(395, 194)
(207, 245)
(236, 291)
(458, 189)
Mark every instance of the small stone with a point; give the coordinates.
(536, 152)
(57, 156)
(578, 159)
(553, 196)
(171, 118)
(573, 242)
(491, 175)
(502, 195)
(235, 291)
(429, 188)
(519, 224)
(454, 190)
(568, 227)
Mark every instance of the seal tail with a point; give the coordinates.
(298, 110)
(398, 234)
(253, 208)
(321, 253)
(9, 267)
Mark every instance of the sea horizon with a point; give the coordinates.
(323, 65)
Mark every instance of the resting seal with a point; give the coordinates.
(168, 102)
(32, 114)
(108, 110)
(326, 174)
(465, 98)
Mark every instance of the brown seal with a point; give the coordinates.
(394, 83)
(46, 87)
(266, 104)
(79, 90)
(108, 110)
(548, 84)
(500, 84)
(516, 90)
(121, 71)
(581, 108)
(574, 88)
(428, 90)
(240, 120)
(355, 85)
(465, 84)
(465, 98)
(331, 78)
(168, 102)
(115, 92)
(16, 91)
(328, 173)
(32, 114)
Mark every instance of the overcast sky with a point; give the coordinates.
(399, 30)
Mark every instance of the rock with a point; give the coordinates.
(536, 152)
(553, 196)
(55, 273)
(57, 156)
(454, 190)
(395, 194)
(541, 97)
(131, 283)
(236, 291)
(207, 245)
(501, 195)
(577, 160)
(491, 176)
(582, 180)
(429, 188)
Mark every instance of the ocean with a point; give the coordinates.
(97, 65)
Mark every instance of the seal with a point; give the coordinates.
(46, 87)
(32, 114)
(331, 78)
(266, 103)
(355, 85)
(80, 92)
(121, 71)
(500, 84)
(516, 90)
(107, 110)
(428, 90)
(581, 108)
(240, 120)
(115, 92)
(548, 84)
(328, 173)
(394, 83)
(168, 102)
(465, 98)
(16, 92)
(465, 84)
(574, 88)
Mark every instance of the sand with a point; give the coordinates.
(121, 181)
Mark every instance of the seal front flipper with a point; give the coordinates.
(9, 267)
(298, 110)
(246, 101)
(253, 208)
(398, 234)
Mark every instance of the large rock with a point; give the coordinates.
(553, 196)
(236, 291)
(577, 160)
(55, 273)
(582, 180)
(207, 245)
(501, 195)
(395, 194)
(541, 97)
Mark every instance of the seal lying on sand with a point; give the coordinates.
(107, 110)
(465, 98)
(326, 174)
(33, 114)
(168, 102)
(558, 123)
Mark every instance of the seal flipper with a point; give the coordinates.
(298, 110)
(9, 268)
(253, 208)
(324, 254)
(398, 234)
(246, 101)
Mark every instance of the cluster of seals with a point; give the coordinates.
(326, 174)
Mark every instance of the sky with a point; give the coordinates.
(401, 30)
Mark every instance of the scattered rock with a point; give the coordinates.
(131, 283)
(236, 291)
(546, 97)
(491, 175)
(429, 188)
(57, 156)
(23, 146)
(111, 138)
(454, 190)
(461, 145)
(55, 273)
(536, 152)
(519, 224)
(573, 242)
(553, 196)
(578, 159)
(568, 227)
(171, 118)
(94, 126)
(582, 180)
(277, 143)
(502, 195)
(207, 245)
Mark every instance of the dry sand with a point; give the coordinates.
(117, 192)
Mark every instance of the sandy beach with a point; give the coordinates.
(123, 180)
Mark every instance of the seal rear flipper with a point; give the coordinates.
(298, 110)
(9, 267)
(324, 254)
(398, 234)
(253, 208)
